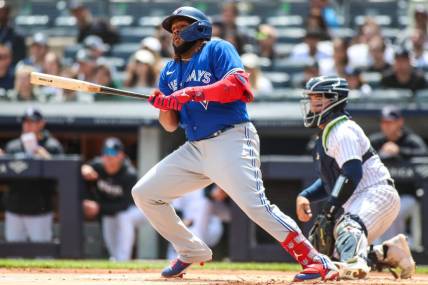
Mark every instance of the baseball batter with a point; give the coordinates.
(204, 90)
(352, 177)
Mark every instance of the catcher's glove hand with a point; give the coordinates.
(321, 234)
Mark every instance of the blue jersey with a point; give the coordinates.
(212, 63)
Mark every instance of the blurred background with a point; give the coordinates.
(379, 46)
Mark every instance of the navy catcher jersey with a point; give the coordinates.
(215, 60)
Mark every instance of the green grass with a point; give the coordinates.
(137, 265)
(149, 264)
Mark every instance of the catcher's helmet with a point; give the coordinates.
(333, 88)
(200, 29)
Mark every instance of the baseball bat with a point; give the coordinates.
(80, 85)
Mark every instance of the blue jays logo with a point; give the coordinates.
(204, 104)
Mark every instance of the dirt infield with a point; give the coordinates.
(194, 277)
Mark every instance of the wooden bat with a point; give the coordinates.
(80, 85)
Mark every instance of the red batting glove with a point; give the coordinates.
(172, 102)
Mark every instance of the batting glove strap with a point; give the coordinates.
(165, 103)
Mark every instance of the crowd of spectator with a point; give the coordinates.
(369, 59)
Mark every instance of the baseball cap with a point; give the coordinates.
(112, 146)
(401, 51)
(39, 39)
(84, 55)
(151, 43)
(32, 114)
(76, 4)
(391, 113)
(145, 56)
(250, 60)
(95, 42)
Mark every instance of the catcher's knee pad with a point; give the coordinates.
(351, 237)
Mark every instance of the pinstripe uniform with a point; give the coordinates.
(374, 201)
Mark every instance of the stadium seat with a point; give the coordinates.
(278, 79)
(290, 35)
(124, 50)
(209, 7)
(378, 97)
(372, 78)
(71, 51)
(289, 66)
(421, 98)
(135, 34)
(289, 21)
(384, 11)
(150, 21)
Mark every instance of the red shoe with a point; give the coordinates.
(325, 271)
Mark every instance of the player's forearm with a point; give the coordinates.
(314, 192)
(232, 88)
(346, 183)
(169, 120)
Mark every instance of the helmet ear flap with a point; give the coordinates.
(197, 31)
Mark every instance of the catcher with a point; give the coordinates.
(361, 199)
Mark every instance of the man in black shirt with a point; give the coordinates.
(87, 25)
(403, 75)
(113, 176)
(9, 36)
(28, 202)
(396, 144)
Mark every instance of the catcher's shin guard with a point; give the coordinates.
(351, 238)
(391, 254)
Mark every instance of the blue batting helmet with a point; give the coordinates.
(333, 94)
(200, 29)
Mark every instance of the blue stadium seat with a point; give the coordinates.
(124, 50)
(290, 35)
(288, 21)
(289, 66)
(135, 34)
(385, 12)
(421, 98)
(278, 79)
(209, 7)
(133, 9)
(71, 51)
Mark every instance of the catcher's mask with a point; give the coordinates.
(323, 96)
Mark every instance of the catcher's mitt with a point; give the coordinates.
(321, 234)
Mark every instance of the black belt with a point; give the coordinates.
(217, 133)
(370, 152)
(390, 182)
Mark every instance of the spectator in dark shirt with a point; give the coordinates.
(397, 144)
(113, 176)
(29, 202)
(403, 75)
(7, 76)
(89, 26)
(228, 27)
(9, 36)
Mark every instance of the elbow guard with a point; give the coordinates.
(345, 185)
(235, 86)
